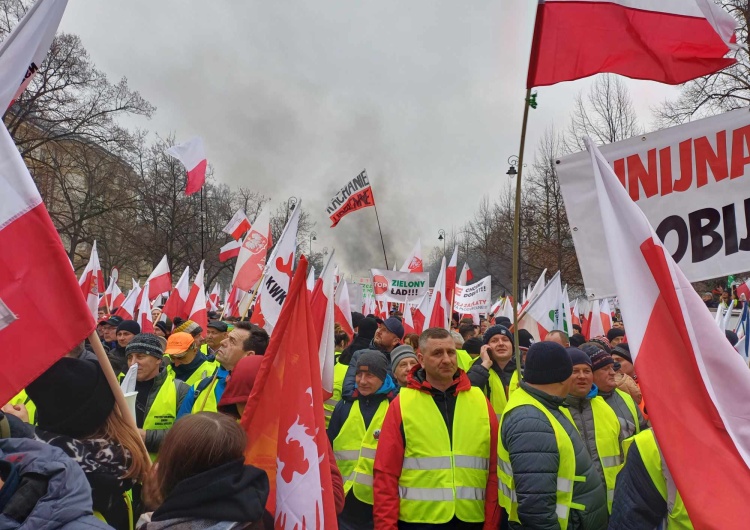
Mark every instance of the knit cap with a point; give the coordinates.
(147, 343)
(374, 362)
(546, 363)
(188, 327)
(399, 353)
(623, 350)
(601, 359)
(129, 325)
(578, 357)
(496, 330)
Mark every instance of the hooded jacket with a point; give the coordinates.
(230, 493)
(390, 456)
(530, 439)
(51, 491)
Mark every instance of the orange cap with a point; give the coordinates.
(178, 343)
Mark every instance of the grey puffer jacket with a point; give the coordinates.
(583, 417)
(616, 400)
(530, 440)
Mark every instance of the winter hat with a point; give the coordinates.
(163, 327)
(188, 327)
(578, 357)
(399, 353)
(614, 333)
(472, 346)
(503, 321)
(147, 343)
(525, 338)
(374, 362)
(496, 330)
(72, 398)
(601, 359)
(218, 325)
(623, 352)
(732, 337)
(546, 363)
(129, 325)
(357, 319)
(367, 328)
(603, 343)
(114, 321)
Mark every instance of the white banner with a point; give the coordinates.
(691, 181)
(396, 286)
(474, 298)
(355, 296)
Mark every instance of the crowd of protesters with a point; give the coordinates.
(440, 430)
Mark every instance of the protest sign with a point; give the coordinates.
(355, 195)
(474, 298)
(396, 286)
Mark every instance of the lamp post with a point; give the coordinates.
(291, 202)
(441, 237)
(313, 237)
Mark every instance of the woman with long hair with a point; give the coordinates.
(76, 412)
(201, 480)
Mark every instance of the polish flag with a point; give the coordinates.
(160, 279)
(323, 310)
(128, 308)
(237, 225)
(92, 281)
(233, 302)
(439, 314)
(289, 442)
(670, 331)
(251, 259)
(342, 309)
(229, 251)
(606, 315)
(539, 316)
(36, 278)
(106, 300)
(23, 51)
(419, 316)
(311, 279)
(177, 298)
(197, 290)
(450, 274)
(466, 274)
(670, 42)
(414, 262)
(144, 312)
(744, 289)
(506, 308)
(192, 154)
(595, 322)
(114, 298)
(532, 293)
(408, 319)
(574, 317)
(214, 299)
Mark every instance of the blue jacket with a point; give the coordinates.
(67, 502)
(221, 384)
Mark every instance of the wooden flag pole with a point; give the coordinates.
(517, 232)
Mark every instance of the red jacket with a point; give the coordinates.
(390, 457)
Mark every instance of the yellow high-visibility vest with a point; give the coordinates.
(339, 373)
(163, 411)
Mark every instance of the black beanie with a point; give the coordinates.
(473, 345)
(525, 338)
(496, 330)
(129, 325)
(367, 328)
(376, 363)
(732, 337)
(578, 357)
(614, 333)
(72, 398)
(547, 363)
(503, 321)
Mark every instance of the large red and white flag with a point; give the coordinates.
(196, 302)
(110, 298)
(237, 225)
(413, 262)
(342, 309)
(606, 315)
(176, 302)
(92, 281)
(144, 312)
(36, 278)
(670, 331)
(252, 256)
(408, 318)
(275, 284)
(230, 250)
(466, 274)
(192, 154)
(450, 274)
(23, 51)
(116, 298)
(160, 279)
(355, 195)
(289, 443)
(669, 41)
(311, 279)
(129, 307)
(539, 317)
(439, 312)
(420, 314)
(322, 303)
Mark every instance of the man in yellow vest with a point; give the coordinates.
(160, 395)
(354, 432)
(496, 359)
(646, 495)
(187, 363)
(435, 464)
(545, 475)
(595, 420)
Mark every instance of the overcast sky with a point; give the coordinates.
(295, 98)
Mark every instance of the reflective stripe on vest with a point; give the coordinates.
(628, 399)
(566, 476)
(206, 369)
(363, 471)
(163, 411)
(607, 438)
(339, 373)
(439, 481)
(677, 515)
(207, 396)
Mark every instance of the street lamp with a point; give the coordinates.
(313, 237)
(513, 161)
(291, 202)
(441, 237)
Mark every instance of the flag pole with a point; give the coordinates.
(377, 217)
(517, 232)
(203, 254)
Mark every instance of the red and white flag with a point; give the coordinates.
(342, 310)
(413, 263)
(744, 289)
(232, 307)
(670, 42)
(92, 281)
(323, 306)
(275, 285)
(311, 279)
(177, 298)
(595, 325)
(237, 225)
(36, 278)
(289, 442)
(466, 275)
(408, 318)
(670, 331)
(606, 313)
(160, 279)
(230, 250)
(355, 195)
(108, 300)
(439, 312)
(129, 307)
(192, 154)
(144, 312)
(116, 298)
(214, 299)
(450, 274)
(195, 305)
(23, 51)
(419, 316)
(252, 256)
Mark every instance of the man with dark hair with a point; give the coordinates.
(577, 340)
(467, 331)
(578, 329)
(244, 340)
(436, 464)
